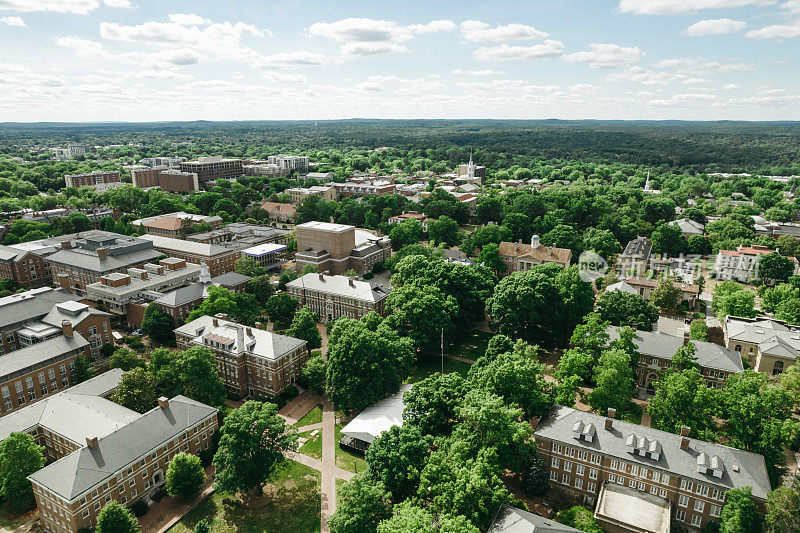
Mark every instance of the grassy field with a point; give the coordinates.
(291, 505)
(313, 446)
(472, 346)
(344, 459)
(314, 416)
(431, 365)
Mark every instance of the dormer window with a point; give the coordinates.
(581, 431)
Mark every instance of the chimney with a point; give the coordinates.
(258, 325)
(66, 327)
(249, 331)
(163, 402)
(66, 245)
(610, 418)
(351, 282)
(685, 430)
(91, 442)
(321, 276)
(684, 443)
(102, 253)
(240, 338)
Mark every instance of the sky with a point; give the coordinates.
(142, 60)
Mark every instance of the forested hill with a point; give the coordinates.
(699, 146)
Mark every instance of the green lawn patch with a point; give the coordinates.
(313, 446)
(292, 504)
(344, 459)
(314, 416)
(472, 346)
(431, 365)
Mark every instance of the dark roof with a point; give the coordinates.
(30, 305)
(40, 353)
(230, 279)
(85, 468)
(739, 468)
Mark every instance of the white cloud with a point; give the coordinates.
(484, 72)
(585, 88)
(641, 75)
(607, 56)
(673, 7)
(161, 75)
(285, 60)
(702, 66)
(730, 87)
(283, 77)
(82, 47)
(715, 27)
(434, 26)
(13, 21)
(505, 52)
(776, 31)
(79, 7)
(363, 36)
(188, 19)
(87, 48)
(477, 31)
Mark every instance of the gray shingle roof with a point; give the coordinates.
(183, 295)
(513, 520)
(75, 412)
(230, 279)
(557, 425)
(664, 346)
(90, 260)
(40, 353)
(74, 474)
(340, 286)
(771, 336)
(60, 313)
(31, 305)
(259, 343)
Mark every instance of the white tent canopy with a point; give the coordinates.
(377, 418)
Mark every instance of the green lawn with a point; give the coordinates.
(313, 446)
(314, 416)
(344, 459)
(472, 346)
(292, 506)
(431, 365)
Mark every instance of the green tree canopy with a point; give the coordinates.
(397, 457)
(158, 324)
(185, 475)
(20, 457)
(410, 517)
(362, 504)
(136, 390)
(116, 518)
(304, 326)
(431, 404)
(626, 309)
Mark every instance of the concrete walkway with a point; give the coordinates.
(328, 487)
(166, 513)
(310, 427)
(297, 408)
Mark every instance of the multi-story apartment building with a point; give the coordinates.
(250, 361)
(593, 457)
(240, 235)
(365, 187)
(520, 257)
(166, 161)
(298, 194)
(218, 259)
(260, 168)
(98, 177)
(166, 178)
(332, 297)
(31, 373)
(129, 294)
(770, 346)
(298, 163)
(85, 257)
(337, 248)
(24, 267)
(656, 349)
(124, 458)
(213, 168)
(17, 311)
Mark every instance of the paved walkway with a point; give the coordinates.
(166, 513)
(310, 427)
(328, 488)
(297, 408)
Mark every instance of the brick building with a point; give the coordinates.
(32, 373)
(84, 258)
(656, 349)
(337, 248)
(298, 194)
(26, 268)
(180, 302)
(588, 455)
(118, 455)
(22, 309)
(365, 187)
(218, 259)
(520, 257)
(97, 177)
(213, 168)
(278, 212)
(332, 297)
(167, 179)
(250, 361)
(769, 345)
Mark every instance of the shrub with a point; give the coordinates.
(139, 508)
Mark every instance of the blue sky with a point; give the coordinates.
(140, 60)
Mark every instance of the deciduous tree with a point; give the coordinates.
(185, 475)
(20, 457)
(304, 326)
(362, 504)
(136, 390)
(116, 518)
(158, 324)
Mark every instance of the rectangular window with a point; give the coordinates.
(697, 520)
(554, 462)
(554, 475)
(699, 506)
(565, 479)
(592, 473)
(590, 486)
(578, 483)
(683, 500)
(567, 466)
(715, 510)
(580, 470)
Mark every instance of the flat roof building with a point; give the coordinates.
(97, 177)
(337, 248)
(213, 168)
(218, 259)
(269, 255)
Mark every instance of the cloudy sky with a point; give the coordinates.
(142, 60)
